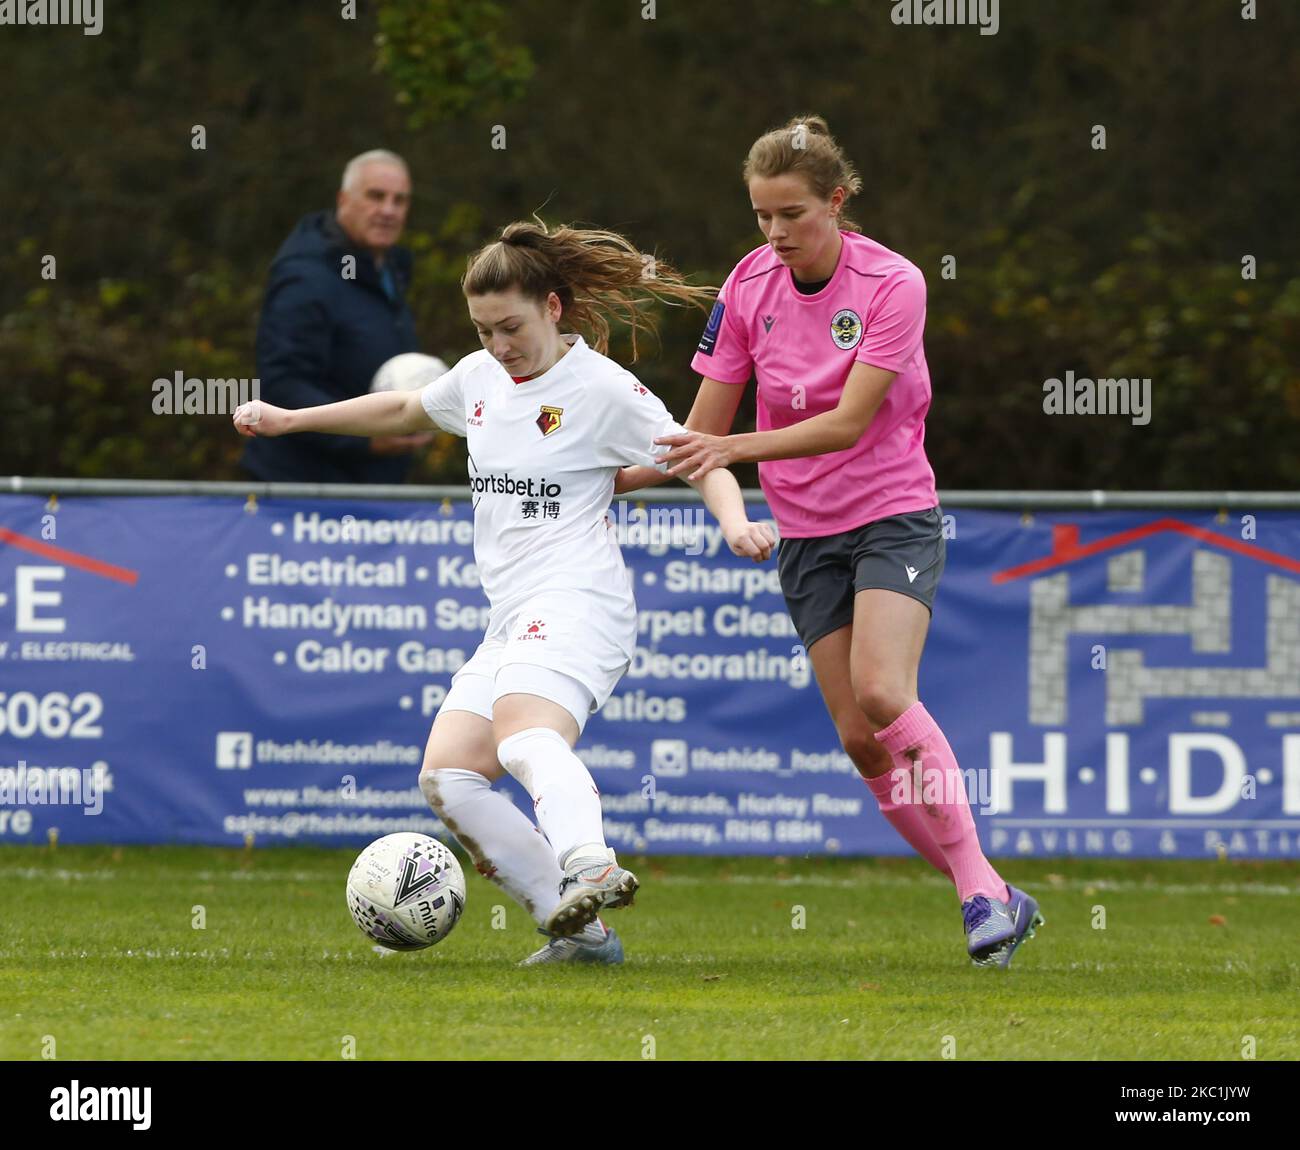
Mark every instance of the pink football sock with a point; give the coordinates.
(906, 817)
(948, 817)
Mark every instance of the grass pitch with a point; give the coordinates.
(735, 959)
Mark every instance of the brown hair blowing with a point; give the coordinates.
(600, 277)
(805, 146)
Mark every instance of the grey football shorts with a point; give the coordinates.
(819, 577)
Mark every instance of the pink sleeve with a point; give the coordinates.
(723, 352)
(895, 323)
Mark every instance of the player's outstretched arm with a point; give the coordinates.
(383, 413)
(722, 496)
(696, 453)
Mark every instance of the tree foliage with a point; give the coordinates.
(1123, 262)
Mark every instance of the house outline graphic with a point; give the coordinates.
(1206, 621)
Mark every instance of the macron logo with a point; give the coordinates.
(912, 573)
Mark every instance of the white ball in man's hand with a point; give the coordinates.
(409, 371)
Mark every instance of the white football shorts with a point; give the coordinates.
(564, 646)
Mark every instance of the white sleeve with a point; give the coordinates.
(634, 417)
(444, 400)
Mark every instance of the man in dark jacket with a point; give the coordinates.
(335, 309)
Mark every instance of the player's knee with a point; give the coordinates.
(440, 784)
(881, 702)
(431, 786)
(867, 754)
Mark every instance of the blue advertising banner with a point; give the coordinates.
(202, 670)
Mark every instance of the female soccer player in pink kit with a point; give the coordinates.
(830, 324)
(548, 422)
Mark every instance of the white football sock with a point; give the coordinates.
(563, 791)
(503, 843)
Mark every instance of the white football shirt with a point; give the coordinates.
(542, 460)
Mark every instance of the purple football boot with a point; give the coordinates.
(994, 929)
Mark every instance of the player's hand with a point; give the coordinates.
(695, 454)
(401, 444)
(260, 419)
(752, 540)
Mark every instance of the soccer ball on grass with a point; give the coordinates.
(406, 891)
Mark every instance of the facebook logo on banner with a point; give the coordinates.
(234, 750)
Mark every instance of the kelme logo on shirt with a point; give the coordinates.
(476, 420)
(549, 419)
(533, 630)
(709, 340)
(846, 329)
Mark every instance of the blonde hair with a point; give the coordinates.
(599, 277)
(805, 146)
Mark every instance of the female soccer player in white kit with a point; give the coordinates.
(548, 422)
(830, 324)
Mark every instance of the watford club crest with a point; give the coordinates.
(549, 420)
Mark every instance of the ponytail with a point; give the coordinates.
(599, 276)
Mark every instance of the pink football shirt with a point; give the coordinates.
(800, 349)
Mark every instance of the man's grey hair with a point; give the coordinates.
(352, 173)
